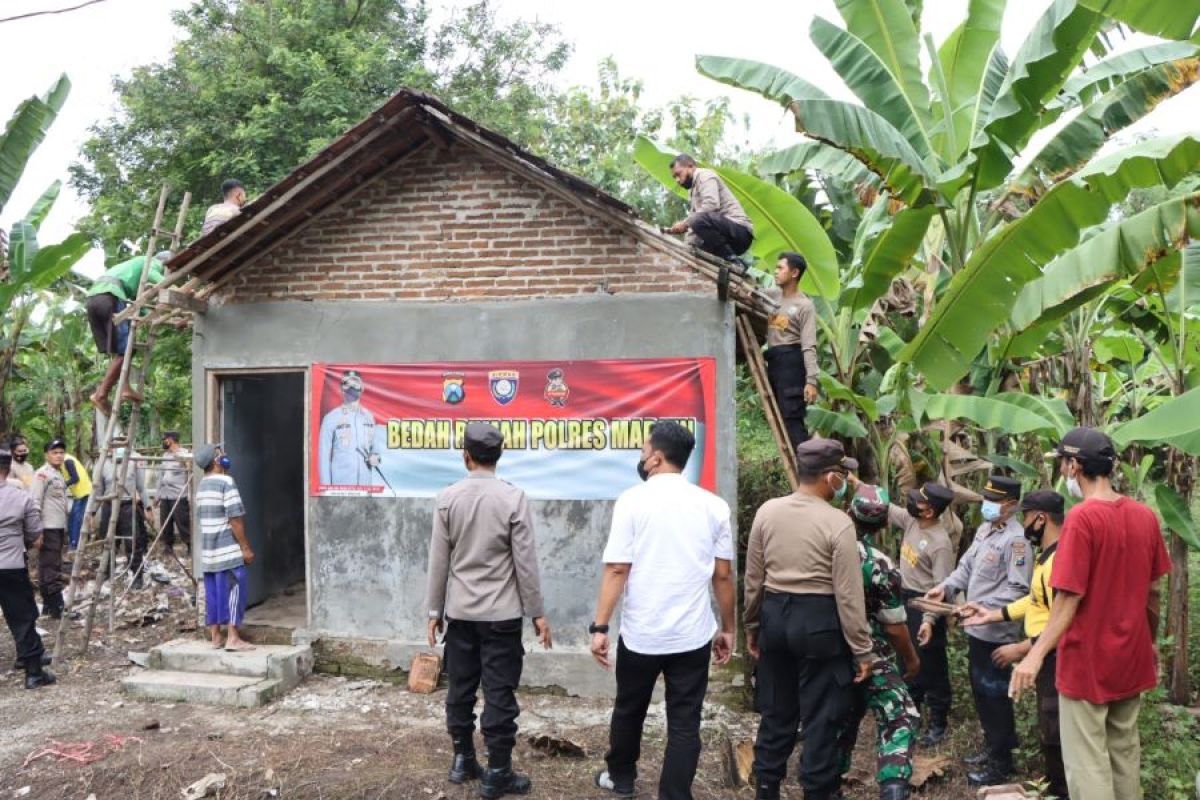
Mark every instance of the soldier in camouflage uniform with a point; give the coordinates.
(884, 692)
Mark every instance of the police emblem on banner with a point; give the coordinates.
(453, 391)
(556, 391)
(503, 384)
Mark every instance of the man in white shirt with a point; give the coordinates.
(669, 541)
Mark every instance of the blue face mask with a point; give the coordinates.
(990, 510)
(351, 395)
(840, 492)
(225, 463)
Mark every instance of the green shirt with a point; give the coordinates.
(121, 281)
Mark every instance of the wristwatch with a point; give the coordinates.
(594, 628)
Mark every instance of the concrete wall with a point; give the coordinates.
(367, 557)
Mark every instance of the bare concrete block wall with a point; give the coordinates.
(367, 557)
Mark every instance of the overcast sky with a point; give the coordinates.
(653, 41)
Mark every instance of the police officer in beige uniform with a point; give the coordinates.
(49, 491)
(483, 580)
(996, 570)
(926, 559)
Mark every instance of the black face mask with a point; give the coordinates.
(641, 468)
(913, 509)
(20, 457)
(688, 181)
(1035, 534)
(166, 445)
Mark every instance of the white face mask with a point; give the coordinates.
(990, 510)
(1073, 487)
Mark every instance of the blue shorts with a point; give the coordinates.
(225, 596)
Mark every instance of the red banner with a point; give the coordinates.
(572, 429)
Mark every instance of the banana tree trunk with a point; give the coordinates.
(7, 357)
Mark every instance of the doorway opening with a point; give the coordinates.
(260, 420)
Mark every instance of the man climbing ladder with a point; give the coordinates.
(107, 297)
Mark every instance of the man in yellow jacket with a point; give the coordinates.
(1043, 521)
(79, 484)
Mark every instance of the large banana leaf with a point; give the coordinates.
(887, 255)
(1088, 84)
(1170, 19)
(33, 268)
(827, 423)
(859, 131)
(886, 27)
(870, 80)
(1175, 514)
(25, 131)
(991, 413)
(1055, 46)
(964, 57)
(1053, 409)
(1117, 109)
(781, 222)
(1175, 422)
(983, 294)
(41, 207)
(1122, 250)
(820, 157)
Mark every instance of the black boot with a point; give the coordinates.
(52, 606)
(499, 778)
(893, 790)
(43, 677)
(767, 791)
(935, 732)
(465, 766)
(995, 773)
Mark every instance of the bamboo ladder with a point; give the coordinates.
(141, 313)
(752, 349)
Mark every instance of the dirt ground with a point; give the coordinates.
(332, 737)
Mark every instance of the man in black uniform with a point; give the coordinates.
(20, 528)
(483, 580)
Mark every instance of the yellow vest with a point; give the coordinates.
(1034, 607)
(83, 486)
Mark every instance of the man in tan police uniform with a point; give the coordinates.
(483, 580)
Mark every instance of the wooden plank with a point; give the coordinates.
(185, 301)
(934, 607)
(758, 371)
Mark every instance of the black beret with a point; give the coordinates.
(821, 454)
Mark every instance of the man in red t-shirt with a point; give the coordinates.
(1103, 621)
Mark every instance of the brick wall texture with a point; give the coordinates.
(453, 226)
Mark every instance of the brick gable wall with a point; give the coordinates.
(453, 226)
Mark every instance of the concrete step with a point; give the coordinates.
(287, 663)
(201, 687)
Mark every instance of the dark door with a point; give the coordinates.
(262, 419)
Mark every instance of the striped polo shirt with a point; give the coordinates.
(217, 502)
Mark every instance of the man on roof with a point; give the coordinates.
(234, 197)
(716, 222)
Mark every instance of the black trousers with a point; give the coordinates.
(686, 678)
(129, 524)
(21, 613)
(805, 674)
(989, 684)
(176, 518)
(1048, 729)
(931, 686)
(490, 653)
(787, 376)
(50, 565)
(720, 235)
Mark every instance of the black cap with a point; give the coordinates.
(483, 441)
(816, 455)
(1087, 444)
(1046, 500)
(1001, 487)
(172, 435)
(54, 444)
(937, 496)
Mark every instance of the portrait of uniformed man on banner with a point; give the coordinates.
(346, 451)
